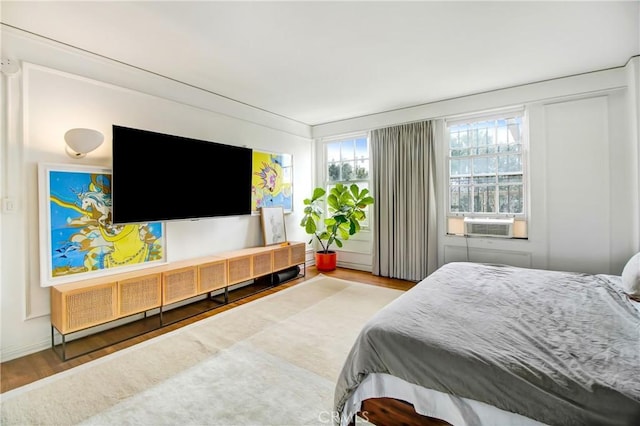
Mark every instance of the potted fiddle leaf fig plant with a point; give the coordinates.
(346, 209)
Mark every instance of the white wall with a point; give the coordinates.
(583, 163)
(633, 107)
(57, 88)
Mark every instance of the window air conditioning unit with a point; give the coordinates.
(484, 227)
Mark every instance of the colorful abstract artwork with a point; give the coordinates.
(272, 181)
(76, 234)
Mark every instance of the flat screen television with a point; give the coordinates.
(161, 177)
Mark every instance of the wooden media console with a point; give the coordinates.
(99, 301)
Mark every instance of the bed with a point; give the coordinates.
(483, 344)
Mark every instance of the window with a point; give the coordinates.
(486, 166)
(347, 162)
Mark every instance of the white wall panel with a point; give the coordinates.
(459, 253)
(632, 108)
(578, 185)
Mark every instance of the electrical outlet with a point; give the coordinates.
(9, 205)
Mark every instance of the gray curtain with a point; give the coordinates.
(403, 171)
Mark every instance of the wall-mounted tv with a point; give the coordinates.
(161, 177)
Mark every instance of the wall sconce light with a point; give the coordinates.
(82, 141)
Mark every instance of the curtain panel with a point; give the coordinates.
(405, 214)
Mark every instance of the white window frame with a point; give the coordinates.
(483, 116)
(363, 235)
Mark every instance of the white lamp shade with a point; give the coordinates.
(82, 141)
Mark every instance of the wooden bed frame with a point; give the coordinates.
(389, 411)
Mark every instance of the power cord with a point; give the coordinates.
(466, 242)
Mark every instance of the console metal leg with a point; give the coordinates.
(63, 344)
(64, 348)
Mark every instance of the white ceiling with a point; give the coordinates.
(318, 62)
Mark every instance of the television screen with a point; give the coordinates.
(160, 177)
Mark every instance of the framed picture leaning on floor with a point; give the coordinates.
(273, 228)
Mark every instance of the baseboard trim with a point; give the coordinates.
(18, 352)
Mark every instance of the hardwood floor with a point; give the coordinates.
(27, 369)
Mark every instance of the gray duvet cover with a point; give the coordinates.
(561, 348)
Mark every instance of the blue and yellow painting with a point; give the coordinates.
(272, 181)
(82, 236)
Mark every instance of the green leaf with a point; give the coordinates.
(332, 201)
(354, 190)
(317, 193)
(354, 228)
(367, 200)
(310, 226)
(347, 199)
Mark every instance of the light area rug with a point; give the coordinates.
(272, 361)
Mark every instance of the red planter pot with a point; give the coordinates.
(326, 261)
